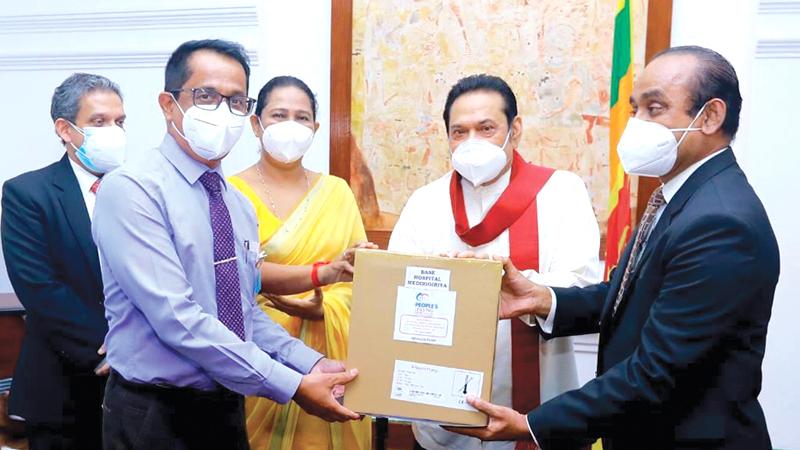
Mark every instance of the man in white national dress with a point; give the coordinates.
(495, 202)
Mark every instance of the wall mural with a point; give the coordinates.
(555, 54)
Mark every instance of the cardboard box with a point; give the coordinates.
(422, 334)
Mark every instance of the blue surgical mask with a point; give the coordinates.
(103, 148)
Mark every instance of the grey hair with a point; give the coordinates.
(67, 96)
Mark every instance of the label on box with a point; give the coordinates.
(435, 385)
(427, 278)
(425, 317)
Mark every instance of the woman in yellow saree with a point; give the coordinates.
(305, 221)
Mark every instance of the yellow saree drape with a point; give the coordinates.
(323, 225)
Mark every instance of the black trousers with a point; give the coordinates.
(62, 437)
(137, 416)
(80, 427)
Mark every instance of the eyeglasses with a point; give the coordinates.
(209, 99)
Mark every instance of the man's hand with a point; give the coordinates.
(341, 269)
(518, 295)
(505, 424)
(326, 365)
(103, 368)
(316, 392)
(308, 309)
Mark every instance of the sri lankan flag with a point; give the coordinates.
(619, 199)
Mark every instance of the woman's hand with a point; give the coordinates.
(341, 269)
(304, 308)
(349, 255)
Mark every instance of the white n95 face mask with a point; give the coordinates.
(286, 141)
(648, 148)
(479, 160)
(103, 148)
(211, 134)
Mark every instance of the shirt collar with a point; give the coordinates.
(671, 187)
(85, 178)
(190, 169)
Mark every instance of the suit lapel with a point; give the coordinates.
(658, 230)
(74, 207)
(703, 174)
(616, 279)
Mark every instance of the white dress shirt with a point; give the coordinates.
(569, 239)
(671, 187)
(85, 180)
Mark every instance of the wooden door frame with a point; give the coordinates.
(341, 86)
(659, 26)
(659, 34)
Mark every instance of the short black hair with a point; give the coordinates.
(284, 81)
(715, 78)
(177, 71)
(482, 82)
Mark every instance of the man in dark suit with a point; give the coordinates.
(54, 269)
(683, 320)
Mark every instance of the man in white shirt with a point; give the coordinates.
(496, 203)
(54, 269)
(683, 320)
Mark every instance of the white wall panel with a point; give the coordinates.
(762, 41)
(44, 41)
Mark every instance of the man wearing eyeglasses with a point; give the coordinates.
(179, 254)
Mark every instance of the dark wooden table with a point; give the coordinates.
(12, 329)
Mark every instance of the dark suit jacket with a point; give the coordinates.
(54, 269)
(680, 362)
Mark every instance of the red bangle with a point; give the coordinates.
(315, 272)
